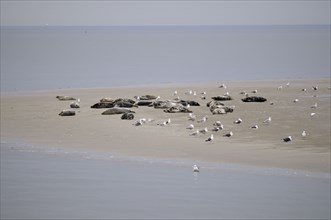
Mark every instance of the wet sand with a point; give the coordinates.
(33, 118)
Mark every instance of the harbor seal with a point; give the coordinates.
(177, 109)
(103, 105)
(254, 99)
(222, 98)
(117, 110)
(127, 116)
(67, 113)
(65, 98)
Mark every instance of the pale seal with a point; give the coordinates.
(65, 98)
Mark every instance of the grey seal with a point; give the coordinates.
(117, 110)
(254, 99)
(67, 113)
(65, 98)
(127, 116)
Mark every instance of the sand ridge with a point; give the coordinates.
(33, 117)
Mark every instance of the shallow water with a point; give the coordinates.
(54, 184)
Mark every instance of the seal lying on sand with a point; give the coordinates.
(107, 99)
(67, 113)
(65, 98)
(127, 116)
(117, 110)
(144, 103)
(145, 97)
(188, 102)
(103, 105)
(178, 109)
(254, 99)
(222, 98)
(125, 103)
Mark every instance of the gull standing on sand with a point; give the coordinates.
(204, 119)
(210, 138)
(255, 126)
(312, 114)
(314, 106)
(191, 126)
(216, 129)
(304, 134)
(230, 134)
(195, 133)
(217, 123)
(191, 117)
(175, 93)
(267, 121)
(165, 123)
(223, 86)
(295, 100)
(140, 122)
(238, 121)
(204, 131)
(287, 139)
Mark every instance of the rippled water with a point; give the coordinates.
(46, 183)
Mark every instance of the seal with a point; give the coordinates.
(74, 105)
(65, 98)
(117, 110)
(177, 109)
(67, 113)
(103, 105)
(127, 116)
(144, 103)
(254, 99)
(222, 98)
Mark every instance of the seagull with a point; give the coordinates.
(195, 168)
(203, 93)
(217, 123)
(295, 100)
(254, 91)
(228, 134)
(223, 86)
(191, 126)
(210, 138)
(140, 122)
(287, 139)
(255, 126)
(227, 94)
(191, 117)
(194, 93)
(165, 123)
(280, 88)
(157, 98)
(312, 114)
(268, 120)
(304, 89)
(288, 84)
(217, 129)
(314, 106)
(175, 93)
(204, 119)
(204, 131)
(304, 134)
(315, 88)
(238, 121)
(195, 133)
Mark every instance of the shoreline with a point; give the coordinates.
(32, 117)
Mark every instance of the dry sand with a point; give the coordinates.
(32, 117)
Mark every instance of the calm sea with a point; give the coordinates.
(39, 58)
(53, 183)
